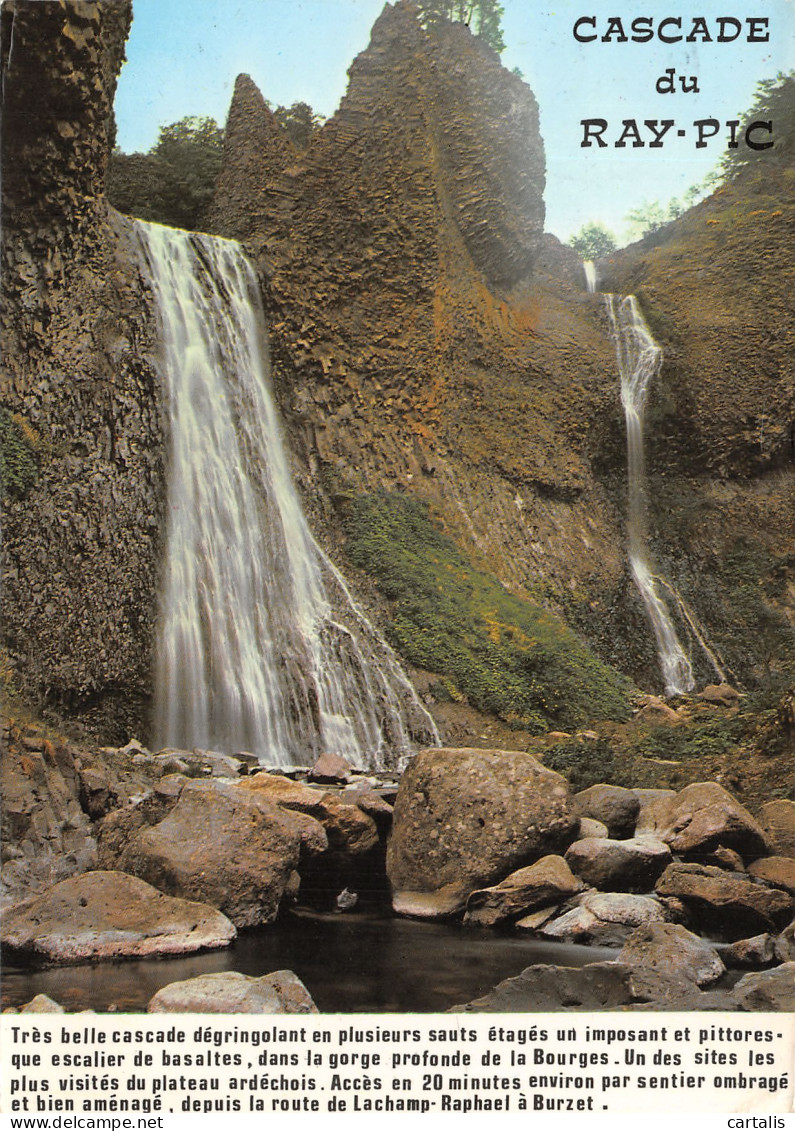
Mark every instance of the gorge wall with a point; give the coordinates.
(80, 399)
(426, 338)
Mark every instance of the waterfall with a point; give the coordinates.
(260, 644)
(639, 360)
(591, 278)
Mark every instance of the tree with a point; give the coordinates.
(300, 121)
(593, 241)
(484, 17)
(174, 182)
(775, 103)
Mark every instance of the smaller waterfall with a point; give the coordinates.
(260, 644)
(639, 360)
(591, 278)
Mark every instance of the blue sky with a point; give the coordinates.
(183, 57)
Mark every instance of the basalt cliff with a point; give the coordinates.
(427, 340)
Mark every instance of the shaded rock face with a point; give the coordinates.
(464, 819)
(81, 545)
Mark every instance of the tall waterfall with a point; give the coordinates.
(639, 360)
(260, 645)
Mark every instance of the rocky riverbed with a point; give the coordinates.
(124, 853)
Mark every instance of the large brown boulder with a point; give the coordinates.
(702, 817)
(224, 846)
(673, 950)
(778, 871)
(465, 818)
(604, 918)
(109, 915)
(546, 882)
(728, 902)
(614, 806)
(619, 865)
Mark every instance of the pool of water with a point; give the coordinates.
(355, 963)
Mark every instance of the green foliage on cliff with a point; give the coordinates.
(18, 463)
(484, 17)
(774, 103)
(174, 182)
(593, 241)
(508, 656)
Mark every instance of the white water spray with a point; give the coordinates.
(260, 644)
(639, 360)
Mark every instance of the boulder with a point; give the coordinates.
(350, 830)
(604, 918)
(726, 902)
(465, 818)
(330, 768)
(671, 949)
(589, 827)
(41, 1003)
(784, 944)
(720, 695)
(619, 865)
(778, 871)
(767, 991)
(222, 845)
(777, 818)
(703, 816)
(648, 808)
(109, 915)
(548, 881)
(757, 951)
(614, 806)
(230, 992)
(597, 986)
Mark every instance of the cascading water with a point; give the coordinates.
(639, 360)
(260, 647)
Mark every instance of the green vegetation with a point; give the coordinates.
(509, 657)
(19, 465)
(774, 103)
(593, 241)
(584, 762)
(174, 182)
(484, 17)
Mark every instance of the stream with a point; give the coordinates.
(354, 963)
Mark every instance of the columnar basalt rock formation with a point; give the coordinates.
(81, 543)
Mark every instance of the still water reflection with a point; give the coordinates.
(349, 964)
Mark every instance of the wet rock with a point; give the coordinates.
(619, 865)
(41, 1003)
(230, 992)
(548, 881)
(597, 986)
(331, 769)
(604, 918)
(465, 818)
(671, 949)
(103, 915)
(778, 871)
(614, 806)
(767, 990)
(777, 818)
(46, 834)
(731, 904)
(757, 951)
(222, 845)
